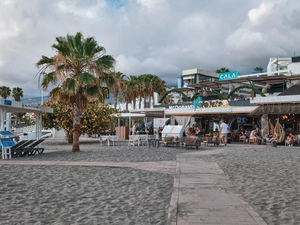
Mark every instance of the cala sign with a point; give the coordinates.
(229, 75)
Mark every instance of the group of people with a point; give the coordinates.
(194, 131)
(256, 135)
(197, 131)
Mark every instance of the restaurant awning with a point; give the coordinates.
(151, 112)
(277, 109)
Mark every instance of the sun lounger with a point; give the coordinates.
(14, 149)
(32, 148)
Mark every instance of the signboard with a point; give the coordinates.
(7, 102)
(229, 75)
(213, 110)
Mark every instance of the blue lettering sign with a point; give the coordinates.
(229, 75)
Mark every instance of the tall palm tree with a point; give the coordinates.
(131, 92)
(117, 87)
(77, 71)
(151, 84)
(5, 92)
(17, 93)
(222, 70)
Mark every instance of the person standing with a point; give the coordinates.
(224, 128)
(134, 128)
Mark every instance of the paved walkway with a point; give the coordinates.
(202, 193)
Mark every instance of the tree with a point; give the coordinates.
(5, 92)
(78, 70)
(17, 93)
(143, 87)
(97, 117)
(258, 69)
(131, 92)
(117, 87)
(222, 70)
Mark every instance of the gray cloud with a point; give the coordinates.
(162, 37)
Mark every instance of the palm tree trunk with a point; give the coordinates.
(140, 102)
(150, 102)
(76, 129)
(115, 101)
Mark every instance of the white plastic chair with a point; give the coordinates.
(102, 140)
(114, 140)
(133, 140)
(143, 140)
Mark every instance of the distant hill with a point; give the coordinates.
(38, 100)
(34, 100)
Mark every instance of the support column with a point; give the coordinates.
(264, 125)
(8, 121)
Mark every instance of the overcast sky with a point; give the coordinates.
(161, 37)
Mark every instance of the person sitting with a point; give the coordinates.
(198, 132)
(254, 136)
(275, 137)
(16, 139)
(189, 132)
(289, 139)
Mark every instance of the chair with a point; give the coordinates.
(7, 144)
(31, 148)
(213, 140)
(114, 139)
(168, 141)
(21, 144)
(191, 141)
(103, 140)
(143, 139)
(280, 132)
(242, 138)
(251, 140)
(133, 140)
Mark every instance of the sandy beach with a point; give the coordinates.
(40, 194)
(267, 178)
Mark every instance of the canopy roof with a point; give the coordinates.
(154, 113)
(12, 106)
(277, 109)
(251, 80)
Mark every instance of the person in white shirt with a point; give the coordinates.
(134, 128)
(224, 128)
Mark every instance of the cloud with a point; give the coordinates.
(162, 37)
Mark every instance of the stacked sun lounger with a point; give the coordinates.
(22, 148)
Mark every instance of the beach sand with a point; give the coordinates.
(265, 177)
(268, 178)
(83, 195)
(53, 194)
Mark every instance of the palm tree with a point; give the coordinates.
(77, 71)
(131, 92)
(222, 70)
(152, 84)
(5, 92)
(258, 69)
(17, 93)
(117, 87)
